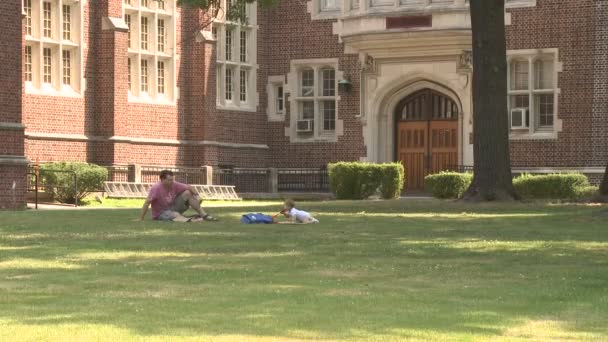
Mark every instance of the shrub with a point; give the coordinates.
(448, 184)
(553, 186)
(89, 178)
(355, 180)
(393, 178)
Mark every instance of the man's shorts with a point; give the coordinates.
(179, 206)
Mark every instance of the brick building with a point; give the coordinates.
(308, 82)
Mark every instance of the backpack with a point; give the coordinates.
(256, 218)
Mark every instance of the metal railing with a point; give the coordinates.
(303, 180)
(117, 173)
(459, 168)
(187, 175)
(244, 180)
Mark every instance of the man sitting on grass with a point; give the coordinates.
(170, 199)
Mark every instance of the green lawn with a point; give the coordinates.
(371, 271)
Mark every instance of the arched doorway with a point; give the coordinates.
(426, 135)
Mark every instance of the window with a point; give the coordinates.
(27, 6)
(228, 84)
(28, 64)
(307, 85)
(127, 2)
(330, 5)
(52, 52)
(280, 104)
(243, 46)
(144, 76)
(329, 115)
(160, 72)
(315, 102)
(532, 92)
(128, 22)
(67, 20)
(276, 98)
(67, 67)
(228, 45)
(243, 87)
(48, 65)
(161, 35)
(236, 60)
(151, 51)
(47, 21)
(129, 72)
(144, 33)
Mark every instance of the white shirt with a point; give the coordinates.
(300, 215)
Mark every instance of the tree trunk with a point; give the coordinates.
(604, 185)
(492, 178)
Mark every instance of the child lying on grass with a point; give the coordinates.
(294, 215)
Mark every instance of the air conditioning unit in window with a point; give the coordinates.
(520, 118)
(304, 126)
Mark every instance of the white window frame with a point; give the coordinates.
(273, 111)
(535, 130)
(37, 40)
(230, 57)
(322, 10)
(156, 51)
(297, 99)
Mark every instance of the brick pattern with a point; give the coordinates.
(572, 26)
(11, 75)
(104, 110)
(301, 38)
(599, 129)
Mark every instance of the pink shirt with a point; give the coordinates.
(162, 198)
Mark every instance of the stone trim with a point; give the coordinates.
(13, 160)
(145, 141)
(12, 126)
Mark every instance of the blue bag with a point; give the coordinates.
(258, 218)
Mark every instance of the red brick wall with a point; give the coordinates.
(599, 129)
(104, 110)
(301, 38)
(570, 27)
(12, 163)
(63, 115)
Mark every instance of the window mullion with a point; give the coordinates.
(531, 107)
(316, 94)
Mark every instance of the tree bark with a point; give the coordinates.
(492, 179)
(604, 185)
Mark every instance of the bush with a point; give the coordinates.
(355, 180)
(552, 186)
(448, 184)
(89, 178)
(393, 178)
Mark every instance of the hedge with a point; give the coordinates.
(448, 184)
(551, 186)
(89, 178)
(554, 186)
(356, 180)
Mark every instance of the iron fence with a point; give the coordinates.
(187, 175)
(303, 180)
(117, 173)
(244, 180)
(459, 168)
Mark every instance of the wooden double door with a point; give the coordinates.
(427, 135)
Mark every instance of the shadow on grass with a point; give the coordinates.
(353, 276)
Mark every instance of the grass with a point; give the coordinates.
(371, 271)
